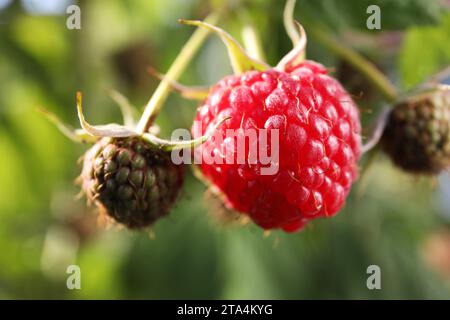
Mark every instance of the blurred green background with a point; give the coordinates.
(398, 222)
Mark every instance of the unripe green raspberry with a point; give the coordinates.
(129, 181)
(417, 135)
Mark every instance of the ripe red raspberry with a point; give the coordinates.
(319, 144)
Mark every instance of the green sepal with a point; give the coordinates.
(240, 60)
(168, 145)
(76, 135)
(129, 112)
(289, 22)
(297, 54)
(188, 92)
(297, 35)
(109, 130)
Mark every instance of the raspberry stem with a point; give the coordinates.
(377, 132)
(375, 76)
(162, 91)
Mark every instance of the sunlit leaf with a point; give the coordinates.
(425, 51)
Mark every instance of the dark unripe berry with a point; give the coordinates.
(417, 135)
(129, 181)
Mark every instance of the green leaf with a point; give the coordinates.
(425, 51)
(395, 14)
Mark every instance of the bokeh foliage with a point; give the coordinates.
(386, 221)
